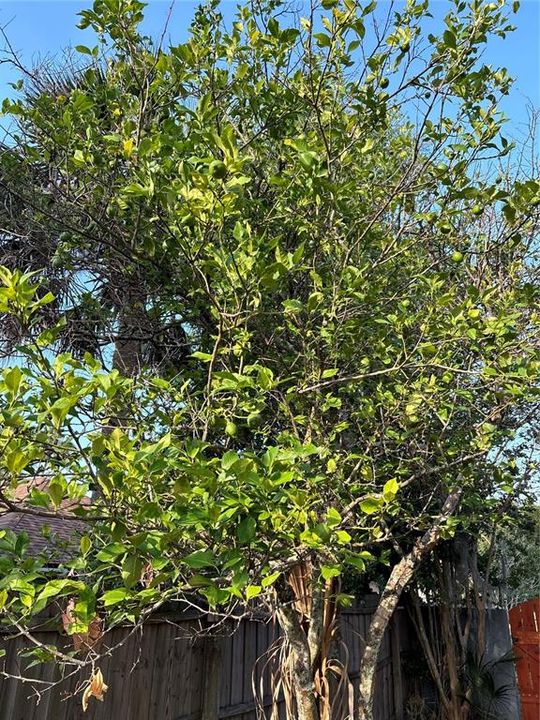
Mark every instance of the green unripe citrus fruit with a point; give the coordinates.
(457, 257)
(218, 169)
(253, 420)
(384, 82)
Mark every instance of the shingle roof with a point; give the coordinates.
(53, 536)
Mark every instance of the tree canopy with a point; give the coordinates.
(292, 262)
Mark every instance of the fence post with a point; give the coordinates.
(396, 666)
(212, 678)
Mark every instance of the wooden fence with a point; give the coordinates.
(525, 624)
(169, 672)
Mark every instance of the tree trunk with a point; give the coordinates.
(399, 578)
(454, 709)
(127, 350)
(306, 612)
(126, 360)
(301, 664)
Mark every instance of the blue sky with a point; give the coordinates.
(44, 27)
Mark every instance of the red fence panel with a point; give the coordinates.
(525, 625)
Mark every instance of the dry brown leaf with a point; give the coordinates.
(96, 688)
(67, 615)
(147, 575)
(82, 641)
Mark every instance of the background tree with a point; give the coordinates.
(315, 203)
(516, 556)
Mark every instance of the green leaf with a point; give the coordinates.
(246, 530)
(390, 489)
(19, 585)
(27, 600)
(205, 357)
(343, 537)
(331, 372)
(54, 588)
(370, 505)
(308, 159)
(200, 559)
(79, 157)
(356, 562)
(228, 460)
(333, 518)
(265, 378)
(252, 591)
(270, 579)
(61, 408)
(323, 40)
(113, 597)
(85, 544)
(21, 545)
(83, 49)
(56, 492)
(131, 570)
(368, 145)
(289, 35)
(509, 212)
(16, 460)
(137, 190)
(449, 39)
(13, 378)
(330, 571)
(111, 552)
(412, 408)
(197, 580)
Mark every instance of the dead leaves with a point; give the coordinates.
(85, 641)
(96, 688)
(82, 642)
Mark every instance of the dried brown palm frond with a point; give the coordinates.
(275, 676)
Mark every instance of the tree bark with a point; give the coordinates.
(399, 578)
(301, 669)
(306, 612)
(454, 709)
(127, 350)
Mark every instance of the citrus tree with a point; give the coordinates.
(319, 203)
